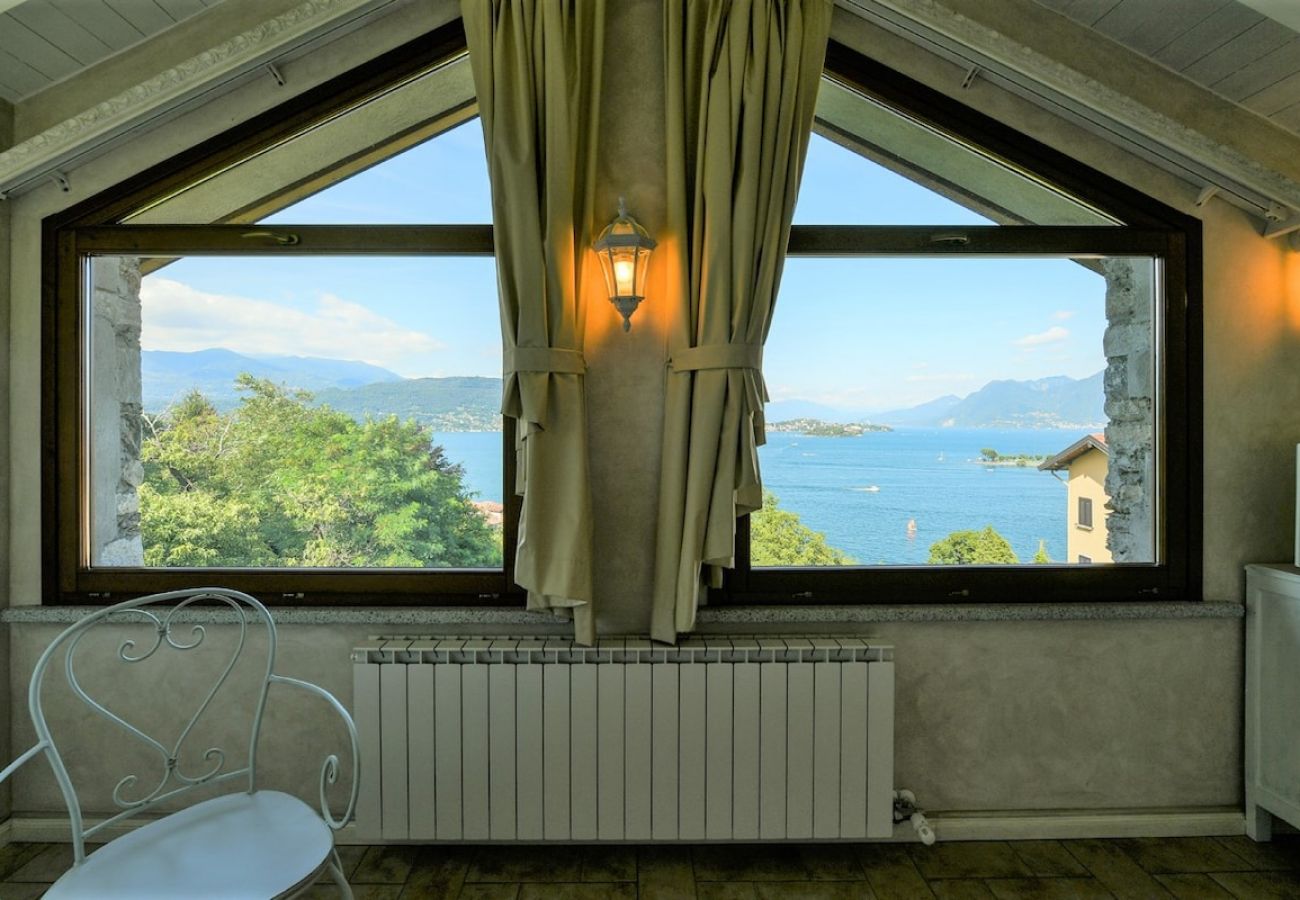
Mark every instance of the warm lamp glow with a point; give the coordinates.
(624, 271)
(624, 251)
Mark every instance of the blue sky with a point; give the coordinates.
(861, 334)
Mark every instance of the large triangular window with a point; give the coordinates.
(965, 353)
(292, 365)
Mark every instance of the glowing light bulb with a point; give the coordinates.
(624, 270)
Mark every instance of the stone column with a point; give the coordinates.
(1130, 409)
(115, 421)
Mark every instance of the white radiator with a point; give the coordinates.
(763, 738)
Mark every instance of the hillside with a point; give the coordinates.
(926, 415)
(1058, 402)
(356, 388)
(446, 404)
(168, 375)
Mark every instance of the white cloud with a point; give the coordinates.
(1062, 314)
(1052, 335)
(179, 317)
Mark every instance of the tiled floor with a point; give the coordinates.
(1191, 868)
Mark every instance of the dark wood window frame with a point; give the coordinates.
(92, 229)
(1151, 229)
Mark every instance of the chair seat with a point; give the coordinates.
(234, 847)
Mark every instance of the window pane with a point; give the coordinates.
(945, 410)
(294, 411)
(441, 181)
(906, 173)
(412, 154)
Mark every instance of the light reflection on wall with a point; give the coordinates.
(1291, 286)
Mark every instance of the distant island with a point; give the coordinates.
(819, 428)
(991, 457)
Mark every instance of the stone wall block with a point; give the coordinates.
(128, 505)
(123, 552)
(133, 473)
(1121, 340)
(1139, 374)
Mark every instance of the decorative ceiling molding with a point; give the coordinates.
(45, 155)
(1191, 154)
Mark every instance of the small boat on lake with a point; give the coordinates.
(911, 529)
(869, 489)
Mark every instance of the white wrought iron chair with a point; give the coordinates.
(251, 844)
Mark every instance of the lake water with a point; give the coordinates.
(479, 452)
(926, 475)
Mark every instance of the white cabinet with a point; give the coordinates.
(1272, 697)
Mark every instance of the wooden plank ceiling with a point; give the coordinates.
(1226, 46)
(42, 41)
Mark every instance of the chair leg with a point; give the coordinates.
(336, 869)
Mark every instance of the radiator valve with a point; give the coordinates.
(905, 811)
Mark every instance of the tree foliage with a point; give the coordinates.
(965, 548)
(778, 538)
(1041, 557)
(279, 482)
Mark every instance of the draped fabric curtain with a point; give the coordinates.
(741, 79)
(537, 69)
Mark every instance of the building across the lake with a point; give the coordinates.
(1085, 463)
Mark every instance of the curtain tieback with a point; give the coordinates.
(544, 359)
(717, 356)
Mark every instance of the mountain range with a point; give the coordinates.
(1055, 402)
(465, 403)
(356, 388)
(168, 375)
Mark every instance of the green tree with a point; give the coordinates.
(965, 548)
(1041, 557)
(989, 453)
(279, 482)
(778, 538)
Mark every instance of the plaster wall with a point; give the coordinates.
(6, 723)
(992, 716)
(625, 380)
(1252, 390)
(6, 716)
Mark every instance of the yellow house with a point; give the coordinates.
(1085, 460)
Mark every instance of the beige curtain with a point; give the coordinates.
(537, 66)
(741, 79)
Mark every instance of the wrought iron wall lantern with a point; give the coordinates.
(624, 250)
